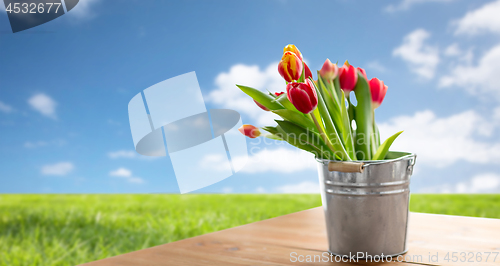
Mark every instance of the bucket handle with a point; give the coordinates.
(359, 167)
(346, 167)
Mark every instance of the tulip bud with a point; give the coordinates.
(292, 48)
(307, 72)
(290, 66)
(278, 94)
(329, 70)
(249, 131)
(302, 96)
(261, 106)
(348, 76)
(378, 90)
(363, 72)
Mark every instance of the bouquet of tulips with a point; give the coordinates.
(318, 115)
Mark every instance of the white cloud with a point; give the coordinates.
(481, 183)
(442, 141)
(227, 95)
(121, 172)
(227, 190)
(83, 10)
(35, 144)
(62, 168)
(126, 174)
(5, 107)
(420, 57)
(482, 20)
(263, 160)
(260, 190)
(130, 154)
(496, 115)
(281, 160)
(214, 162)
(122, 154)
(303, 187)
(457, 55)
(41, 143)
(488, 182)
(407, 4)
(135, 180)
(375, 65)
(481, 79)
(43, 104)
(452, 50)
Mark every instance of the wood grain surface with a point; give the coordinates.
(271, 242)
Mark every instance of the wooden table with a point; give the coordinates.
(273, 241)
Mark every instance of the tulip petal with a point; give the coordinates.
(283, 100)
(300, 99)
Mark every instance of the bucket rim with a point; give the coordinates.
(372, 162)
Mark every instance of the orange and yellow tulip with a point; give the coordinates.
(290, 66)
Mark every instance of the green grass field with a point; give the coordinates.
(73, 229)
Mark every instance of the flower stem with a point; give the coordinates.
(322, 134)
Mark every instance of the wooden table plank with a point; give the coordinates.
(271, 242)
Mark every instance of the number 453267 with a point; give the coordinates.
(33, 8)
(471, 256)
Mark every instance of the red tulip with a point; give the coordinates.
(278, 94)
(348, 76)
(363, 72)
(302, 96)
(378, 90)
(261, 106)
(329, 70)
(249, 131)
(290, 66)
(292, 48)
(307, 72)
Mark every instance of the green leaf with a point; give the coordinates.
(332, 104)
(330, 131)
(261, 97)
(272, 130)
(283, 100)
(377, 132)
(328, 85)
(273, 137)
(352, 113)
(304, 139)
(274, 133)
(347, 133)
(395, 154)
(384, 148)
(296, 118)
(375, 136)
(364, 124)
(336, 85)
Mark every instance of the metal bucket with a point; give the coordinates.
(366, 204)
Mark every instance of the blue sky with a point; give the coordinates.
(65, 86)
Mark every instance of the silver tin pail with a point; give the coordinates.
(366, 204)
